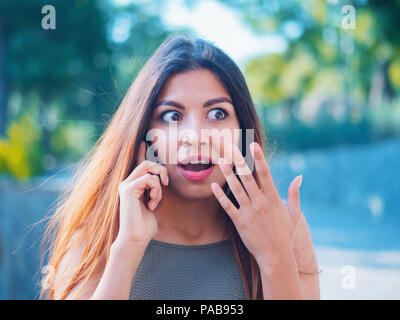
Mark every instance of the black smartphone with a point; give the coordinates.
(151, 154)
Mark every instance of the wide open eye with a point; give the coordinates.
(171, 115)
(218, 114)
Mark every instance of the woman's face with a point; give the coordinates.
(189, 122)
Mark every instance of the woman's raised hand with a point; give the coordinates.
(138, 223)
(265, 224)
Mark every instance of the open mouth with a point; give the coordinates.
(196, 171)
(196, 167)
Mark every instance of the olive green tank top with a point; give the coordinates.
(170, 271)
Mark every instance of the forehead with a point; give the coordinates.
(192, 85)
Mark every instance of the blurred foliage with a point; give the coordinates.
(329, 85)
(327, 73)
(21, 152)
(74, 76)
(72, 139)
(323, 58)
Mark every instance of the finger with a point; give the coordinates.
(293, 201)
(146, 182)
(234, 184)
(155, 194)
(263, 171)
(225, 202)
(148, 166)
(245, 174)
(296, 223)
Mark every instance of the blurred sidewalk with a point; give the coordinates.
(358, 274)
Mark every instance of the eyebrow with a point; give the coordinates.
(180, 106)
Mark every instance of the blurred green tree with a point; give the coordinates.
(321, 89)
(48, 62)
(324, 62)
(21, 154)
(75, 75)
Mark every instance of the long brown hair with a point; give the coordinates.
(91, 203)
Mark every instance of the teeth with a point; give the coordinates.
(199, 162)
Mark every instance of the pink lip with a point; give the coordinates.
(196, 175)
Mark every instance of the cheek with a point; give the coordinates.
(222, 144)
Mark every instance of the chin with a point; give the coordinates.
(194, 190)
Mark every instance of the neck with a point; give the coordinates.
(191, 221)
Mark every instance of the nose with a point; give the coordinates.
(188, 142)
(193, 134)
(192, 137)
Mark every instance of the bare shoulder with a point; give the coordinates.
(68, 266)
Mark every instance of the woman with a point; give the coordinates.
(131, 227)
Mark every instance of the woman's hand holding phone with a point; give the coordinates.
(138, 223)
